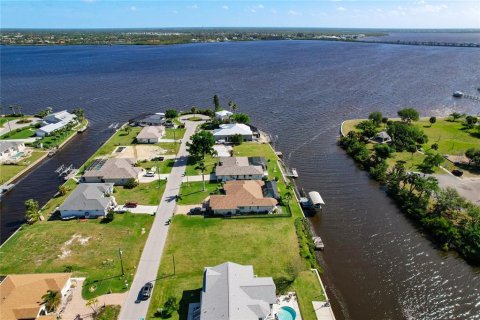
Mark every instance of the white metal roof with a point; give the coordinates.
(232, 129)
(315, 197)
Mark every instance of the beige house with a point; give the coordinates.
(238, 168)
(115, 170)
(151, 134)
(242, 197)
(21, 294)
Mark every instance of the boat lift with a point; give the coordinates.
(313, 201)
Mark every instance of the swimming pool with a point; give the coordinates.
(18, 155)
(286, 313)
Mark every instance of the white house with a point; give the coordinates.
(151, 134)
(226, 131)
(232, 291)
(223, 115)
(61, 116)
(88, 200)
(54, 122)
(9, 150)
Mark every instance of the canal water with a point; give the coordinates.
(377, 264)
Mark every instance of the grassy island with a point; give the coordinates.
(408, 154)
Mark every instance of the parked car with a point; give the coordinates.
(146, 291)
(149, 174)
(158, 159)
(131, 204)
(197, 210)
(457, 172)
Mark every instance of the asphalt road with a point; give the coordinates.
(134, 308)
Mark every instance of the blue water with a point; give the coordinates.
(377, 264)
(286, 313)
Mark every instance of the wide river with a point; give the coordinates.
(377, 264)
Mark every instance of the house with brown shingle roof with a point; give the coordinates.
(21, 294)
(151, 134)
(242, 196)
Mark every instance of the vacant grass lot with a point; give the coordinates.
(8, 171)
(144, 193)
(169, 147)
(192, 192)
(452, 139)
(210, 163)
(39, 247)
(24, 133)
(270, 245)
(177, 134)
(163, 166)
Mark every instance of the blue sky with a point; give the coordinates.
(213, 13)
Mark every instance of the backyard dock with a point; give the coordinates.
(318, 243)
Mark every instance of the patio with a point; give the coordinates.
(287, 300)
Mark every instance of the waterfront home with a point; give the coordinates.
(22, 294)
(233, 291)
(242, 196)
(54, 122)
(223, 115)
(151, 134)
(382, 137)
(89, 200)
(11, 151)
(155, 119)
(115, 170)
(61, 116)
(240, 168)
(226, 131)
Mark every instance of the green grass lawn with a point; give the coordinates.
(163, 166)
(121, 138)
(169, 147)
(192, 192)
(144, 193)
(194, 118)
(24, 133)
(4, 120)
(109, 313)
(270, 245)
(8, 171)
(210, 163)
(452, 139)
(179, 133)
(38, 248)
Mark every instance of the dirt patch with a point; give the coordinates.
(141, 152)
(75, 238)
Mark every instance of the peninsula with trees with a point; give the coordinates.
(422, 162)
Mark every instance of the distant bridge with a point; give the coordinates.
(426, 43)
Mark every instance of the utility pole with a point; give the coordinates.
(121, 261)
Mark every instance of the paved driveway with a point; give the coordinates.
(133, 308)
(14, 125)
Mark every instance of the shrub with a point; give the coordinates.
(368, 127)
(131, 183)
(236, 139)
(404, 135)
(376, 117)
(408, 115)
(171, 113)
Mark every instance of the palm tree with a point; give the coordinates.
(51, 300)
(288, 196)
(233, 106)
(201, 166)
(93, 304)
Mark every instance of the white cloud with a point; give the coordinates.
(336, 0)
(225, 7)
(293, 13)
(274, 11)
(133, 8)
(260, 6)
(430, 8)
(89, 1)
(193, 6)
(253, 11)
(341, 9)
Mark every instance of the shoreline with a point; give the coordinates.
(37, 162)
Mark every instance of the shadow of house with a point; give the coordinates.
(188, 296)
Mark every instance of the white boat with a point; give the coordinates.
(6, 188)
(316, 200)
(294, 173)
(458, 94)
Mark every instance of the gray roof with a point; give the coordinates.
(5, 145)
(156, 118)
(258, 161)
(233, 166)
(271, 190)
(115, 168)
(383, 135)
(231, 291)
(88, 196)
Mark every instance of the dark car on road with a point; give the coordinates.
(146, 291)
